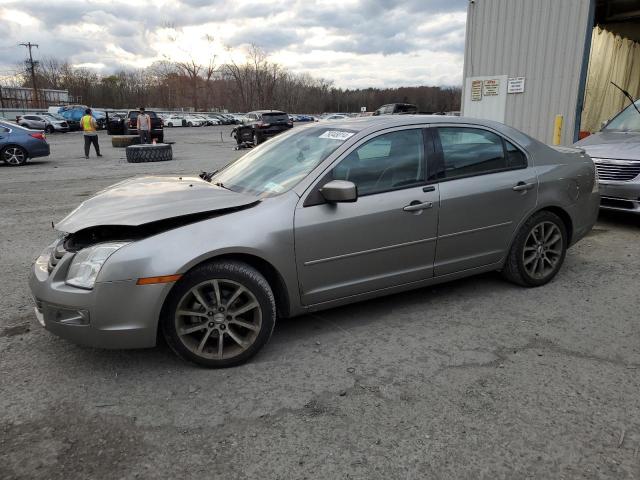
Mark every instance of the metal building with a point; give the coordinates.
(529, 61)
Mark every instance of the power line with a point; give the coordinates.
(32, 67)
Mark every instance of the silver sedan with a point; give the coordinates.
(321, 216)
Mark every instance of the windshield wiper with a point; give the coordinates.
(628, 95)
(207, 176)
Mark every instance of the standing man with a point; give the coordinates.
(144, 126)
(89, 125)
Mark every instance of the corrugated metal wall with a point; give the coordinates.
(541, 40)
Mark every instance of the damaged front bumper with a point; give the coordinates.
(113, 315)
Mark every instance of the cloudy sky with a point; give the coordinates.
(355, 43)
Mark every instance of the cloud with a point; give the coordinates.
(354, 42)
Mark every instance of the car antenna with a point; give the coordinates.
(628, 95)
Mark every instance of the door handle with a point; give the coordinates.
(416, 206)
(523, 187)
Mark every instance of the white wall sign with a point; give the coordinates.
(515, 85)
(476, 90)
(363, 109)
(490, 102)
(491, 87)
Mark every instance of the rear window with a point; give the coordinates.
(134, 115)
(273, 117)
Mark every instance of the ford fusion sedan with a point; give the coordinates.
(616, 152)
(323, 215)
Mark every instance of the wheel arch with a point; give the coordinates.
(270, 273)
(559, 211)
(9, 145)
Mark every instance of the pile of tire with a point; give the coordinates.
(122, 141)
(159, 152)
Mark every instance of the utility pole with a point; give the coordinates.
(32, 67)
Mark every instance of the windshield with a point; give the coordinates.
(278, 165)
(627, 121)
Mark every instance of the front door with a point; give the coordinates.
(486, 189)
(386, 238)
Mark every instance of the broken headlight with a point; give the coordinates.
(87, 263)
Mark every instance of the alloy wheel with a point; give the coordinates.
(14, 156)
(218, 319)
(542, 250)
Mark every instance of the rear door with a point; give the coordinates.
(486, 188)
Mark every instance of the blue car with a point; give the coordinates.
(18, 144)
(73, 113)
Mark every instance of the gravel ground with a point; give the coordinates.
(472, 379)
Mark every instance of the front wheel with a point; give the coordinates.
(538, 250)
(14, 156)
(49, 129)
(189, 124)
(257, 140)
(219, 314)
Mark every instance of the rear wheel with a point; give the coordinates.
(49, 129)
(14, 156)
(220, 314)
(538, 250)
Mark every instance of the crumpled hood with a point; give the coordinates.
(148, 199)
(614, 145)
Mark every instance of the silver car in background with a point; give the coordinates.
(616, 152)
(323, 215)
(44, 121)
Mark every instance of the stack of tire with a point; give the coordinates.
(158, 152)
(122, 141)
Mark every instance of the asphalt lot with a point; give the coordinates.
(472, 379)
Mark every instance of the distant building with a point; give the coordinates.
(22, 97)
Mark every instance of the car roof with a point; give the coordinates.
(366, 125)
(268, 111)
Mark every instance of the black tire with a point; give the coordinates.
(518, 264)
(225, 273)
(122, 141)
(49, 129)
(160, 152)
(189, 124)
(14, 155)
(257, 139)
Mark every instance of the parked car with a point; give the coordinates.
(263, 124)
(323, 215)
(395, 108)
(18, 144)
(74, 125)
(76, 112)
(174, 121)
(43, 122)
(128, 125)
(615, 149)
(223, 119)
(194, 121)
(336, 116)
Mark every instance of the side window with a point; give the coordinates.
(515, 157)
(388, 162)
(473, 151)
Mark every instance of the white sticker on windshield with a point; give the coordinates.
(336, 135)
(273, 187)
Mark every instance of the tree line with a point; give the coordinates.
(258, 83)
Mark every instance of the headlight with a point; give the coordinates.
(42, 262)
(87, 263)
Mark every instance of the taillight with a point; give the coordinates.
(39, 136)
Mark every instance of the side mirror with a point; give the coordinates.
(337, 191)
(604, 124)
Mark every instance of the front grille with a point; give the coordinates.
(56, 255)
(618, 171)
